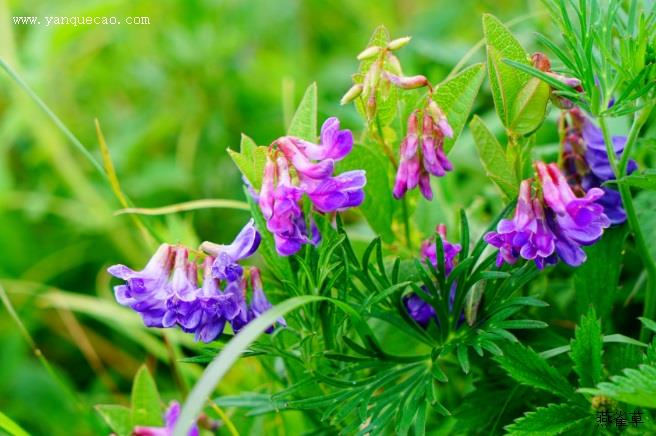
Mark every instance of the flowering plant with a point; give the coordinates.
(378, 302)
(449, 298)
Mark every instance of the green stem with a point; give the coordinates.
(619, 170)
(406, 223)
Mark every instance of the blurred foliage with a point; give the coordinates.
(171, 97)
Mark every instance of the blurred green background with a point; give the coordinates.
(170, 97)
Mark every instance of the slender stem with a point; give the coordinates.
(55, 119)
(406, 222)
(649, 310)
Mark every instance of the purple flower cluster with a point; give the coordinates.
(417, 308)
(585, 161)
(423, 155)
(166, 292)
(313, 165)
(556, 227)
(170, 419)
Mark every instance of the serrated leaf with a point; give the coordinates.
(530, 107)
(506, 82)
(456, 97)
(586, 349)
(527, 367)
(304, 121)
(636, 387)
(118, 418)
(146, 404)
(377, 207)
(551, 420)
(596, 281)
(493, 158)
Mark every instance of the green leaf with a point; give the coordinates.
(586, 349)
(250, 161)
(645, 205)
(378, 207)
(636, 387)
(8, 425)
(645, 179)
(456, 97)
(527, 367)
(596, 281)
(651, 325)
(530, 106)
(551, 420)
(146, 405)
(493, 158)
(118, 418)
(463, 358)
(304, 122)
(506, 82)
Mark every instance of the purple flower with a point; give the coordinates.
(280, 205)
(586, 161)
(581, 219)
(171, 418)
(526, 235)
(210, 304)
(554, 227)
(423, 156)
(259, 302)
(337, 193)
(313, 164)
(146, 291)
(235, 308)
(429, 250)
(305, 167)
(181, 304)
(335, 143)
(421, 311)
(226, 266)
(167, 293)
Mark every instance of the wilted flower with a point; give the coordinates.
(421, 311)
(313, 164)
(170, 418)
(585, 161)
(422, 156)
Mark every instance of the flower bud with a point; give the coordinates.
(393, 64)
(541, 61)
(398, 43)
(410, 82)
(369, 52)
(569, 81)
(371, 106)
(353, 93)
